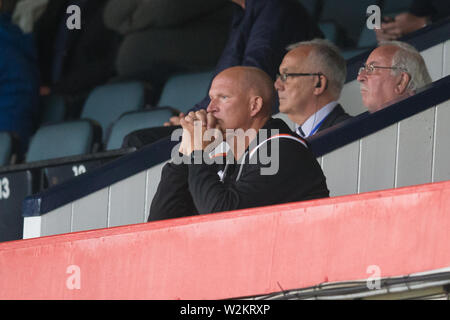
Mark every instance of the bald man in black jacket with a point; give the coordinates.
(241, 98)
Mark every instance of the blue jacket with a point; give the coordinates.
(260, 34)
(19, 81)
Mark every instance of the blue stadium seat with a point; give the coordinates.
(350, 53)
(367, 38)
(136, 120)
(183, 91)
(63, 140)
(105, 104)
(330, 31)
(348, 14)
(6, 148)
(53, 109)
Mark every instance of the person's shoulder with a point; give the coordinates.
(292, 144)
(277, 127)
(277, 124)
(341, 111)
(289, 142)
(282, 140)
(337, 115)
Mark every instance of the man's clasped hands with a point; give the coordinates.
(200, 129)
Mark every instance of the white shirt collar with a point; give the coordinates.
(311, 123)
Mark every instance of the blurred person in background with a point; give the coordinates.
(19, 78)
(420, 14)
(27, 12)
(162, 37)
(74, 61)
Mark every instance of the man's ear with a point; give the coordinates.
(321, 85)
(402, 83)
(256, 104)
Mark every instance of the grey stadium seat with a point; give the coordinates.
(136, 120)
(63, 140)
(105, 104)
(348, 14)
(183, 91)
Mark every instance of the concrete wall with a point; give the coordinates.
(253, 253)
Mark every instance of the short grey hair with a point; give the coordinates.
(410, 60)
(328, 58)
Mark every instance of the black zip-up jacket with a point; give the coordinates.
(189, 189)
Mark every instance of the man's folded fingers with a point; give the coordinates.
(190, 117)
(201, 116)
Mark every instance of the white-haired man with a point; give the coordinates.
(311, 78)
(392, 72)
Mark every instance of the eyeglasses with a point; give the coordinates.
(283, 77)
(370, 68)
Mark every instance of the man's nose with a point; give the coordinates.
(211, 106)
(361, 77)
(278, 84)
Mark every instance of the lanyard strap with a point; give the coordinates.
(313, 131)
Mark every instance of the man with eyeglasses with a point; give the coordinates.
(311, 78)
(240, 111)
(392, 72)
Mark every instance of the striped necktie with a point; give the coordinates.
(300, 132)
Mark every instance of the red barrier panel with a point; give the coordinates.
(237, 254)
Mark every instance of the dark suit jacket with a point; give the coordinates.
(436, 9)
(334, 117)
